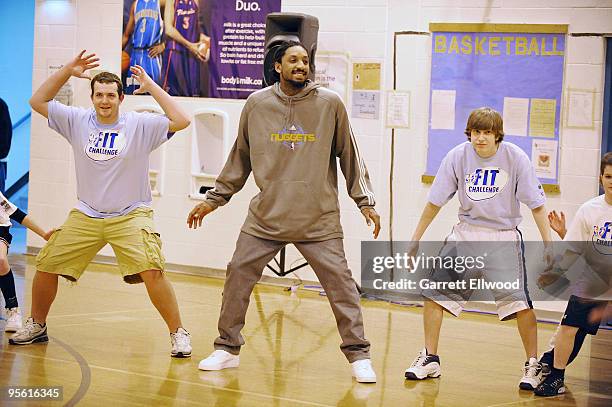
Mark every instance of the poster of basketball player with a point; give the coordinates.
(143, 40)
(197, 48)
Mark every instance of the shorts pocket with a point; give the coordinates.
(44, 252)
(153, 247)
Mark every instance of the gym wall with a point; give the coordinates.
(364, 29)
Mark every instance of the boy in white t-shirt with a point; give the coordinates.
(9, 212)
(589, 236)
(492, 178)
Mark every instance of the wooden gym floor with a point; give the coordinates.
(109, 347)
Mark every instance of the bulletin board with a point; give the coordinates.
(516, 69)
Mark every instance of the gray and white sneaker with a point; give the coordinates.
(13, 318)
(424, 366)
(31, 332)
(532, 375)
(181, 344)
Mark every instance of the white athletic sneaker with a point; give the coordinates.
(219, 360)
(423, 366)
(181, 344)
(13, 319)
(532, 375)
(32, 332)
(363, 372)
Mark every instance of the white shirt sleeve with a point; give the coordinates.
(528, 188)
(155, 127)
(7, 206)
(62, 118)
(578, 233)
(445, 184)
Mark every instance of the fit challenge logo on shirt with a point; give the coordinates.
(105, 145)
(293, 137)
(485, 183)
(602, 238)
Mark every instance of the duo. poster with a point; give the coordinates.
(197, 48)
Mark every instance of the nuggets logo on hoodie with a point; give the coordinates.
(292, 137)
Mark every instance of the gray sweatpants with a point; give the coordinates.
(328, 261)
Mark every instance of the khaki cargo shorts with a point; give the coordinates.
(132, 237)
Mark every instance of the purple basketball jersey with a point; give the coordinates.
(186, 22)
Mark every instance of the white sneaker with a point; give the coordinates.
(181, 344)
(219, 360)
(13, 319)
(32, 332)
(423, 366)
(363, 372)
(532, 375)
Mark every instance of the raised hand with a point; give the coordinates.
(557, 223)
(145, 81)
(370, 215)
(194, 220)
(82, 63)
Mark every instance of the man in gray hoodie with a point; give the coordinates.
(289, 136)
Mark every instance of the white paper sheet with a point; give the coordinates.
(544, 158)
(580, 109)
(443, 109)
(398, 109)
(516, 113)
(332, 72)
(366, 104)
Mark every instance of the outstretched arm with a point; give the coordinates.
(77, 67)
(541, 220)
(20, 216)
(430, 211)
(232, 178)
(178, 118)
(354, 169)
(29, 223)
